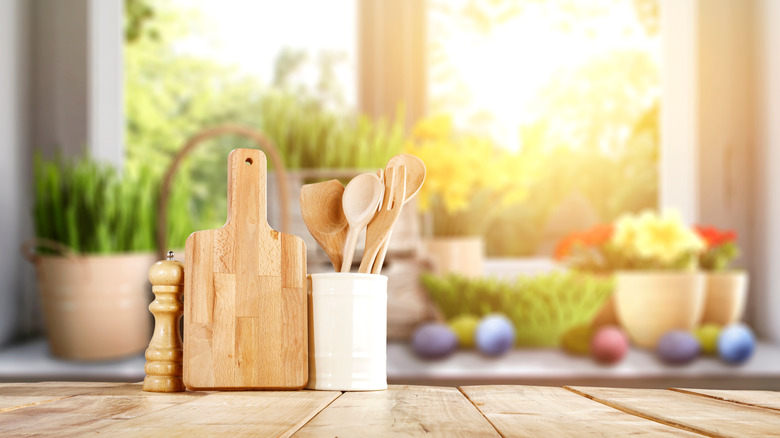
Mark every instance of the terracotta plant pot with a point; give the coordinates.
(458, 255)
(650, 303)
(726, 297)
(96, 307)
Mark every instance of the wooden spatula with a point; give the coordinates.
(379, 229)
(324, 217)
(245, 314)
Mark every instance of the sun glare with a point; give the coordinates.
(250, 34)
(505, 69)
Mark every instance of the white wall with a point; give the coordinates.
(766, 309)
(59, 74)
(13, 175)
(49, 52)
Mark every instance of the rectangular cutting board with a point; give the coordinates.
(245, 315)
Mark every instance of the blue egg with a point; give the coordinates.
(495, 335)
(736, 344)
(678, 347)
(434, 340)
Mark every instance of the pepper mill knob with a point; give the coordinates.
(164, 356)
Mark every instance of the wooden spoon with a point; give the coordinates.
(324, 217)
(361, 198)
(379, 228)
(415, 177)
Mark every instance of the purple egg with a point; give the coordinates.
(495, 335)
(434, 340)
(678, 347)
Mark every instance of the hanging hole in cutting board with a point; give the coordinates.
(248, 161)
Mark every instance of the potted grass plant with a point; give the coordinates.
(726, 288)
(469, 182)
(94, 242)
(654, 259)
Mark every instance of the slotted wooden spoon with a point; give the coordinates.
(324, 217)
(415, 177)
(381, 226)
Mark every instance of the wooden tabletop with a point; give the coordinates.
(116, 409)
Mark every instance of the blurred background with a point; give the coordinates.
(541, 122)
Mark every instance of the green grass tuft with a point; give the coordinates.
(542, 308)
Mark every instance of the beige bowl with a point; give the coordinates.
(650, 303)
(726, 297)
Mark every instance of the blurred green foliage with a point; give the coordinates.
(139, 14)
(592, 129)
(172, 95)
(542, 308)
(622, 182)
(92, 208)
(595, 130)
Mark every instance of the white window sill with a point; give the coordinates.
(640, 368)
(32, 361)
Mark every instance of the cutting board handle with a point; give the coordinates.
(246, 175)
(263, 142)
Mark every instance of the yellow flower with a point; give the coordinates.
(433, 128)
(666, 238)
(626, 230)
(466, 173)
(661, 238)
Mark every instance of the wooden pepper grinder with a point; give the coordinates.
(164, 355)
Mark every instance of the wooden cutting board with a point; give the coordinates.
(245, 316)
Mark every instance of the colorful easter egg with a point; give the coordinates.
(609, 345)
(577, 339)
(434, 340)
(707, 335)
(465, 327)
(678, 347)
(495, 335)
(736, 343)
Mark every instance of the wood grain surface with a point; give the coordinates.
(230, 414)
(714, 418)
(116, 410)
(245, 323)
(400, 411)
(538, 411)
(87, 412)
(15, 395)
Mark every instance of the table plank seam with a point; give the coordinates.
(739, 402)
(315, 415)
(460, 388)
(642, 415)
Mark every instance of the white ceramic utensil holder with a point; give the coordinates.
(347, 332)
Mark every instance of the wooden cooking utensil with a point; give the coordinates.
(415, 177)
(380, 227)
(361, 198)
(324, 217)
(245, 317)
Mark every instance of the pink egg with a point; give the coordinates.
(609, 345)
